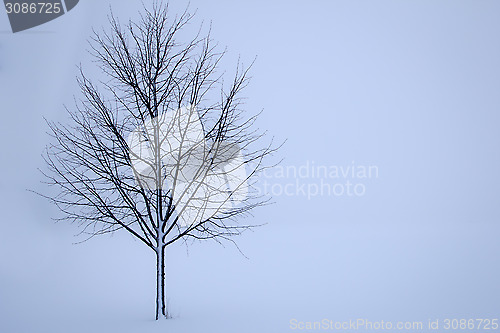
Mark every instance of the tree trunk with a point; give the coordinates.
(161, 311)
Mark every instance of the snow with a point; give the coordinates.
(332, 270)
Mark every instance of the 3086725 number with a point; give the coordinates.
(471, 324)
(33, 8)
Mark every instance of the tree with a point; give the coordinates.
(162, 148)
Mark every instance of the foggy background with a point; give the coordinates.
(411, 87)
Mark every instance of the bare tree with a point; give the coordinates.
(161, 148)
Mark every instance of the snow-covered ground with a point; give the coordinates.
(308, 271)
